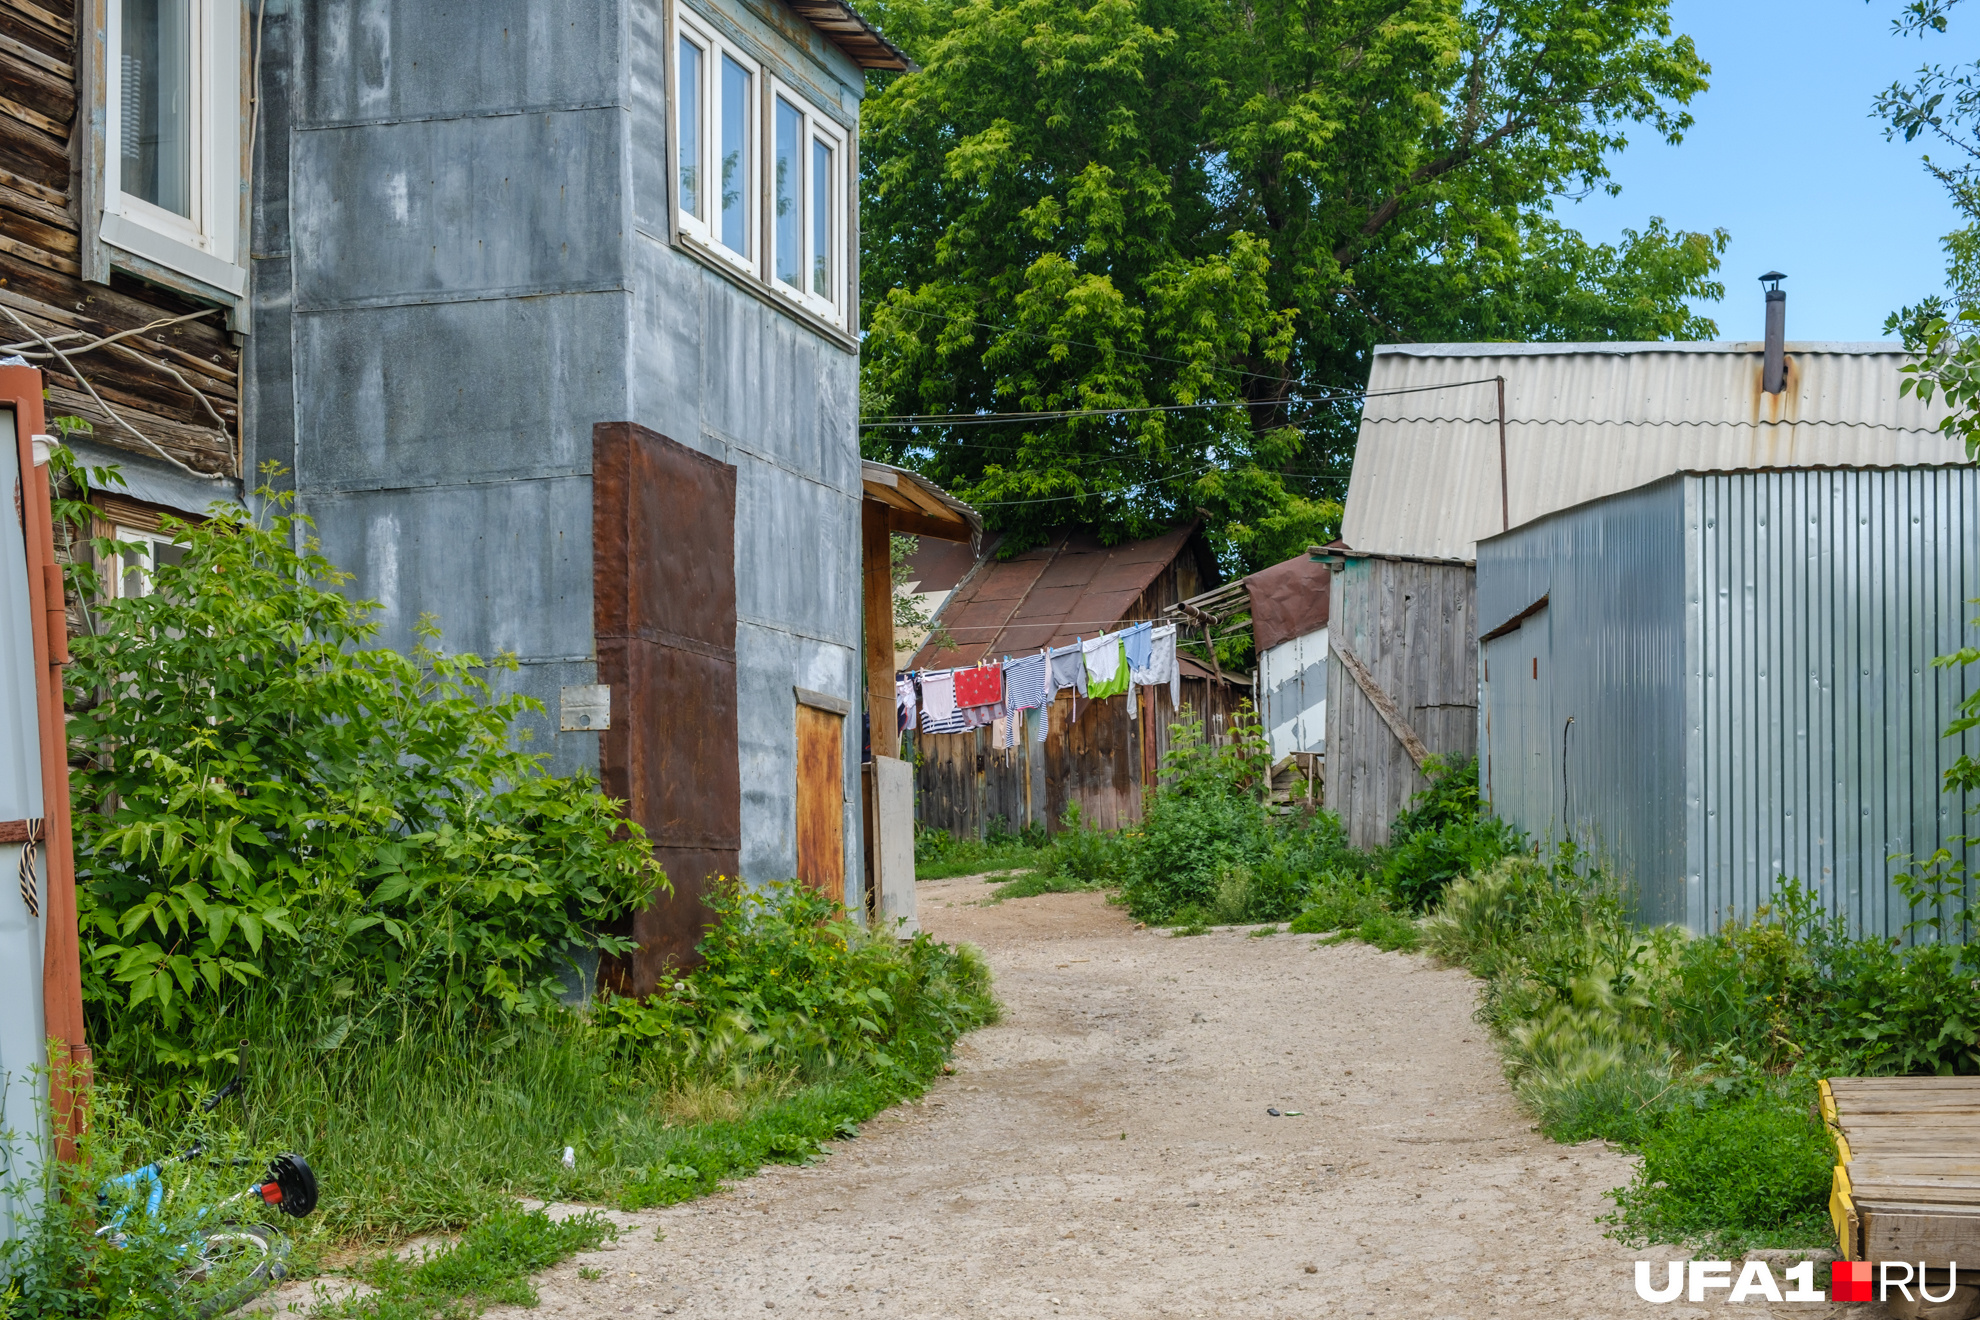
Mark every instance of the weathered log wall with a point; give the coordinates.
(176, 384)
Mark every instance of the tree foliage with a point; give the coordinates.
(1199, 216)
(271, 805)
(1941, 106)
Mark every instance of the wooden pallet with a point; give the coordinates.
(1907, 1180)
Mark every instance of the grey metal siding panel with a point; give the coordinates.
(480, 391)
(451, 209)
(1828, 594)
(502, 567)
(1610, 663)
(387, 59)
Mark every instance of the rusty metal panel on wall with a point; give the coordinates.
(664, 601)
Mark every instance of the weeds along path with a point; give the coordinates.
(1410, 1187)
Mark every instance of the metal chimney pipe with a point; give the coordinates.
(1773, 378)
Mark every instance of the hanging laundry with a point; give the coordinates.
(1162, 667)
(1106, 667)
(1027, 682)
(956, 722)
(938, 694)
(1007, 729)
(1041, 723)
(981, 715)
(1069, 669)
(905, 700)
(1136, 641)
(979, 685)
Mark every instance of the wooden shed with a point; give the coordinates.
(1097, 754)
(1402, 682)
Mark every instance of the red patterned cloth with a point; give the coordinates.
(981, 686)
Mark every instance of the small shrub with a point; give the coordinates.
(1339, 901)
(1083, 855)
(1441, 837)
(272, 806)
(1206, 821)
(1389, 932)
(1752, 1172)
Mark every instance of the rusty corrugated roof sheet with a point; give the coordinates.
(1070, 587)
(1588, 420)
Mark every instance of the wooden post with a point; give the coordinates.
(1505, 488)
(878, 552)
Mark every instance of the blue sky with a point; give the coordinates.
(1786, 157)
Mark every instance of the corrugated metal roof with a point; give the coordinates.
(1072, 586)
(1588, 420)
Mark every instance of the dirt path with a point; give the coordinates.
(1410, 1187)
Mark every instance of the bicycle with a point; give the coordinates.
(244, 1257)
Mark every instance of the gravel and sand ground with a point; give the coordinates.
(1107, 1150)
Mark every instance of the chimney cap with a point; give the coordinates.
(1772, 279)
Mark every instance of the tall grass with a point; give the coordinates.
(1700, 1052)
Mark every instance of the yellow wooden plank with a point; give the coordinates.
(1842, 1213)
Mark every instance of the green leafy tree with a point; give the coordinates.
(1187, 222)
(1940, 105)
(269, 805)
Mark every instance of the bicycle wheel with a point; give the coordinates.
(236, 1264)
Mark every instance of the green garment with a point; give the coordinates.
(1115, 684)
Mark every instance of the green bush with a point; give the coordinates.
(789, 980)
(1442, 836)
(1205, 822)
(1755, 1172)
(271, 806)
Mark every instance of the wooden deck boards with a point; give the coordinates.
(1907, 1179)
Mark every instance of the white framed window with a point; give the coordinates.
(717, 143)
(807, 205)
(172, 118)
(143, 552)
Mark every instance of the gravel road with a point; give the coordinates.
(1107, 1150)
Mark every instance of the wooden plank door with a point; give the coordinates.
(821, 801)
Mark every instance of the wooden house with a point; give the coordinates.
(123, 245)
(1100, 756)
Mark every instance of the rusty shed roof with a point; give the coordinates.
(1070, 587)
(1588, 420)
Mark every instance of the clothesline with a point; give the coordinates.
(1016, 691)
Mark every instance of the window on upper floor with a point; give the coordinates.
(716, 143)
(807, 196)
(172, 116)
(763, 177)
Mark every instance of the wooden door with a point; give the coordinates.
(821, 801)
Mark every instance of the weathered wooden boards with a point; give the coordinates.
(1907, 1180)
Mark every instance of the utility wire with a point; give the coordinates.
(984, 419)
(110, 412)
